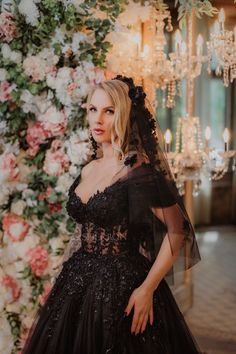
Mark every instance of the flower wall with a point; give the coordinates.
(50, 53)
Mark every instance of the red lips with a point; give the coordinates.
(99, 130)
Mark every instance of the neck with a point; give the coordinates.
(108, 151)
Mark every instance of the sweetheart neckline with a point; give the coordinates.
(119, 180)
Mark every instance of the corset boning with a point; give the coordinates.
(109, 240)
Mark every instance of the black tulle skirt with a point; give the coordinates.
(84, 312)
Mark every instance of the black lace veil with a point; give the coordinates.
(156, 209)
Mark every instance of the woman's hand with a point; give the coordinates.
(142, 300)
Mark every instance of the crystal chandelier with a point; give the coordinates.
(187, 160)
(223, 43)
(166, 74)
(152, 63)
(191, 156)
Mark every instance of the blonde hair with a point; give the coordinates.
(118, 92)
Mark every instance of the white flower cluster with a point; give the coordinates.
(29, 9)
(12, 55)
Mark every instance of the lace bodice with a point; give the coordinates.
(103, 218)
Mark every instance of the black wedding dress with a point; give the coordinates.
(84, 312)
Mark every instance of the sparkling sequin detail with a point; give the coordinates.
(84, 312)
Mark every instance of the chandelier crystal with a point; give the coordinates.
(222, 43)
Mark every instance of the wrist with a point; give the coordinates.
(149, 286)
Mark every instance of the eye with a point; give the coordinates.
(110, 111)
(92, 109)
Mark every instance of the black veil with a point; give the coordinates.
(156, 209)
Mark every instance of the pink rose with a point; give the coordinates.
(15, 227)
(10, 283)
(38, 260)
(36, 135)
(47, 286)
(9, 165)
(45, 195)
(5, 91)
(56, 162)
(7, 27)
(54, 121)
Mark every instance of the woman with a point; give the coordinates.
(133, 234)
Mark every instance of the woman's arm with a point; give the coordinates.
(142, 297)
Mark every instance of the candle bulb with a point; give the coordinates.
(199, 43)
(207, 135)
(222, 18)
(183, 47)
(168, 138)
(178, 40)
(226, 139)
(137, 41)
(217, 27)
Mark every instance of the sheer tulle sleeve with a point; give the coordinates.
(157, 211)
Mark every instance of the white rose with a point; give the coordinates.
(3, 74)
(18, 207)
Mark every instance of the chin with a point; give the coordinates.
(101, 139)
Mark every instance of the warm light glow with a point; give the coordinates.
(208, 133)
(221, 15)
(199, 41)
(137, 38)
(183, 47)
(226, 135)
(217, 27)
(168, 136)
(178, 37)
(145, 51)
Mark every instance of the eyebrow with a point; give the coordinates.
(103, 108)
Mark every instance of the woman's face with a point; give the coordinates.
(101, 115)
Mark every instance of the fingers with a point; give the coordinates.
(144, 323)
(129, 306)
(151, 315)
(139, 323)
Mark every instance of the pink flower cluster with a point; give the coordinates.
(9, 165)
(9, 282)
(5, 91)
(54, 207)
(54, 121)
(15, 227)
(37, 259)
(7, 27)
(36, 135)
(56, 162)
(51, 123)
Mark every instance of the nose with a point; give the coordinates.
(99, 117)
